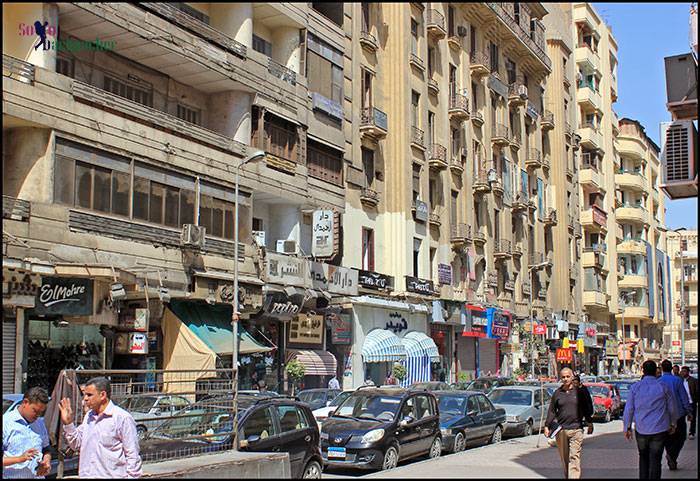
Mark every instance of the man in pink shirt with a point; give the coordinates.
(106, 439)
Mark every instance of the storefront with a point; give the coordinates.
(447, 319)
(490, 352)
(467, 350)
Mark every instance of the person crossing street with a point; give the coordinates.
(674, 442)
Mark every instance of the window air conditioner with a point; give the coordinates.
(192, 236)
(680, 169)
(287, 246)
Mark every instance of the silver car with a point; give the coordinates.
(151, 410)
(525, 410)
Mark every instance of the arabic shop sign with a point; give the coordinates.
(421, 286)
(322, 242)
(335, 279)
(285, 270)
(374, 280)
(500, 323)
(64, 296)
(397, 323)
(281, 306)
(421, 210)
(444, 274)
(306, 329)
(341, 328)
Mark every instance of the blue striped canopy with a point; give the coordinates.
(382, 346)
(418, 344)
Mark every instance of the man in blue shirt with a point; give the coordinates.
(25, 441)
(674, 442)
(651, 407)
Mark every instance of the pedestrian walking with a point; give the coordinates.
(106, 440)
(25, 440)
(674, 442)
(676, 370)
(652, 409)
(691, 387)
(570, 407)
(333, 383)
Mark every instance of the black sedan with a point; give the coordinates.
(468, 418)
(318, 398)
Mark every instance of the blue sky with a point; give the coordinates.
(645, 34)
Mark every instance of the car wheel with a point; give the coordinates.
(608, 417)
(460, 443)
(140, 431)
(391, 458)
(312, 470)
(497, 435)
(435, 448)
(528, 429)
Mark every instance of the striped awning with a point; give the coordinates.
(418, 344)
(382, 346)
(317, 363)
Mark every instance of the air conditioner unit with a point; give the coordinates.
(462, 31)
(680, 170)
(287, 246)
(259, 237)
(192, 236)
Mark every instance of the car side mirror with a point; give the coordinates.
(253, 438)
(406, 421)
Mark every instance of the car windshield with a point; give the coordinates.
(599, 391)
(139, 404)
(340, 398)
(370, 406)
(451, 405)
(204, 418)
(623, 386)
(480, 385)
(6, 403)
(515, 397)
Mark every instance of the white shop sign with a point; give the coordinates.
(322, 242)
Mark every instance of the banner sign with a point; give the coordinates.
(64, 296)
(539, 329)
(563, 355)
(444, 274)
(341, 328)
(374, 280)
(285, 270)
(306, 329)
(421, 286)
(281, 306)
(323, 232)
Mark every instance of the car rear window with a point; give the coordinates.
(515, 397)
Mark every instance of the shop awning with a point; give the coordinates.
(212, 324)
(418, 344)
(317, 363)
(382, 346)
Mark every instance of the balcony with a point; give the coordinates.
(479, 64)
(589, 175)
(457, 165)
(550, 219)
(520, 202)
(535, 258)
(547, 120)
(587, 58)
(368, 42)
(416, 62)
(477, 119)
(588, 97)
(542, 293)
(281, 72)
(631, 147)
(515, 141)
(435, 24)
(568, 131)
(629, 280)
(688, 278)
(501, 249)
(417, 138)
(15, 209)
(434, 219)
(369, 197)
(526, 288)
(459, 107)
(479, 238)
(533, 159)
(615, 121)
(17, 69)
(373, 123)
(496, 181)
(595, 218)
(590, 136)
(437, 156)
(500, 134)
(481, 183)
(595, 300)
(454, 42)
(546, 162)
(460, 234)
(578, 231)
(632, 246)
(509, 286)
(517, 94)
(570, 223)
(632, 213)
(593, 256)
(632, 179)
(517, 250)
(433, 86)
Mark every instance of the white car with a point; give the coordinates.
(322, 413)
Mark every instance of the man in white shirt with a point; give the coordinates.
(333, 383)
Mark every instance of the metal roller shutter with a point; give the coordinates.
(9, 330)
(487, 357)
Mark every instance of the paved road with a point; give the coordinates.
(606, 454)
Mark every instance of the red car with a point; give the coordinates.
(607, 403)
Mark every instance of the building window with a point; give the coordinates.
(451, 28)
(368, 166)
(472, 40)
(414, 37)
(326, 78)
(142, 94)
(493, 54)
(365, 17)
(65, 66)
(366, 89)
(325, 163)
(416, 255)
(188, 114)
(453, 207)
(415, 102)
(367, 249)
(416, 182)
(261, 45)
(433, 270)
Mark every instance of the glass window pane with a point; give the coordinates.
(103, 189)
(229, 220)
(141, 189)
(186, 206)
(172, 204)
(120, 193)
(83, 185)
(217, 227)
(205, 210)
(64, 178)
(155, 211)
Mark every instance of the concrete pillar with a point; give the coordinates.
(27, 168)
(229, 114)
(233, 19)
(284, 223)
(285, 47)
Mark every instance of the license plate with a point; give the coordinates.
(336, 452)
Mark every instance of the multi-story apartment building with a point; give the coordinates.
(683, 252)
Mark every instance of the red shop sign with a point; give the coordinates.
(539, 328)
(563, 355)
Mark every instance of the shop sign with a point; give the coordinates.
(396, 323)
(539, 329)
(562, 326)
(478, 317)
(334, 109)
(563, 355)
(135, 319)
(579, 346)
(323, 233)
(342, 280)
(341, 328)
(318, 275)
(306, 329)
(131, 343)
(65, 296)
(374, 280)
(282, 306)
(500, 323)
(676, 343)
(421, 286)
(285, 270)
(444, 274)
(421, 211)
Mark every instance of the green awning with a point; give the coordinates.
(212, 324)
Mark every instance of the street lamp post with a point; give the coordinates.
(257, 154)
(682, 301)
(624, 301)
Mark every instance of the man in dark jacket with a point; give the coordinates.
(570, 407)
(691, 387)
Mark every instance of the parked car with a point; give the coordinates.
(468, 418)
(318, 398)
(607, 404)
(376, 427)
(322, 413)
(551, 387)
(525, 409)
(487, 384)
(265, 424)
(149, 411)
(430, 386)
(623, 387)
